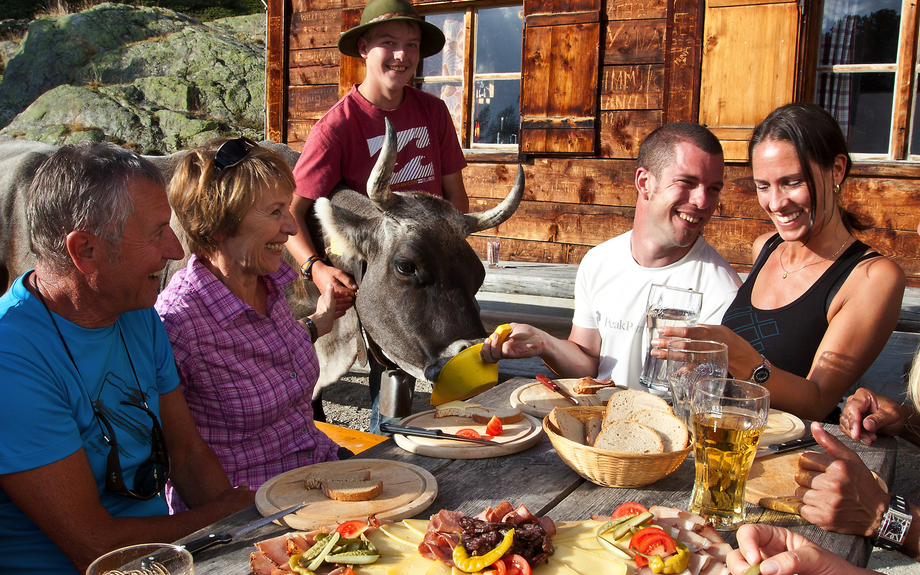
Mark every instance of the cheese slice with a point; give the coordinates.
(556, 567)
(586, 563)
(582, 530)
(413, 565)
(380, 566)
(419, 526)
(387, 545)
(454, 409)
(438, 568)
(403, 534)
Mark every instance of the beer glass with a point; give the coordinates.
(144, 559)
(729, 416)
(688, 362)
(493, 246)
(667, 306)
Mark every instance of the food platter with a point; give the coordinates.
(407, 490)
(538, 400)
(781, 427)
(516, 437)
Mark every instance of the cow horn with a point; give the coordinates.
(378, 184)
(491, 218)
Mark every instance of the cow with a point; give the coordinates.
(418, 277)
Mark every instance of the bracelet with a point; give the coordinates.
(314, 333)
(308, 265)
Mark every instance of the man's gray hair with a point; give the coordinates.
(83, 187)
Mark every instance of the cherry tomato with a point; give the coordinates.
(516, 565)
(497, 568)
(651, 541)
(351, 529)
(494, 427)
(471, 433)
(629, 508)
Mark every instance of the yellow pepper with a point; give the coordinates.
(676, 563)
(469, 564)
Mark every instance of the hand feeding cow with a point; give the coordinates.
(418, 276)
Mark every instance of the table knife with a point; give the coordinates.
(222, 537)
(775, 448)
(557, 388)
(430, 433)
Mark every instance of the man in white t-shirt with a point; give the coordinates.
(679, 178)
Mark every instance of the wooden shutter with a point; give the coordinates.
(559, 76)
(749, 66)
(351, 69)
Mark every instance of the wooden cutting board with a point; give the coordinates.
(407, 490)
(771, 482)
(781, 427)
(538, 400)
(515, 437)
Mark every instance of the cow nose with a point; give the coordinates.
(433, 370)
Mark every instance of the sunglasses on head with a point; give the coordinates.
(232, 152)
(151, 476)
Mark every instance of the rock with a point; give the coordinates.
(149, 78)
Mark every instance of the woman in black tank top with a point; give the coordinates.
(818, 305)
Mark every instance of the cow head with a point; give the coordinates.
(416, 298)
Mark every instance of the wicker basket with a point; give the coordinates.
(610, 468)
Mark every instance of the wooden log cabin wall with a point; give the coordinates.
(596, 77)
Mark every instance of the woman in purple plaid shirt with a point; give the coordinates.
(246, 366)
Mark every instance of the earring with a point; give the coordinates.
(836, 188)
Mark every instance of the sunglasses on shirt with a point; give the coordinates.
(232, 152)
(151, 476)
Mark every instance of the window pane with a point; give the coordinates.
(450, 92)
(860, 32)
(449, 61)
(862, 104)
(495, 109)
(915, 128)
(498, 40)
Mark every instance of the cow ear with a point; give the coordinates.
(348, 233)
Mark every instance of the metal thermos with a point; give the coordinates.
(395, 393)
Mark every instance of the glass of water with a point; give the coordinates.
(667, 306)
(144, 559)
(689, 361)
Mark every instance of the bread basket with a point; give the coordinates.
(610, 468)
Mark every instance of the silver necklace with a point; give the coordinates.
(787, 272)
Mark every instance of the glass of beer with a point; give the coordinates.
(689, 361)
(144, 559)
(666, 306)
(728, 416)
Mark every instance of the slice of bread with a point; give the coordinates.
(590, 386)
(344, 490)
(592, 430)
(624, 403)
(569, 426)
(629, 437)
(454, 409)
(506, 415)
(315, 479)
(673, 432)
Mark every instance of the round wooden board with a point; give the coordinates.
(538, 400)
(781, 427)
(407, 490)
(515, 437)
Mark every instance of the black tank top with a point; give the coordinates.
(789, 336)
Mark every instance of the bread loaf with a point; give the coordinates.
(315, 479)
(569, 426)
(346, 490)
(592, 429)
(673, 432)
(590, 386)
(629, 437)
(506, 415)
(454, 409)
(624, 403)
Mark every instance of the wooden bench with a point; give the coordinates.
(543, 295)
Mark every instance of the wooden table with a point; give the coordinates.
(539, 479)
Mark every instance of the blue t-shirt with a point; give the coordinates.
(47, 409)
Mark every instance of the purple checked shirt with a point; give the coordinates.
(248, 379)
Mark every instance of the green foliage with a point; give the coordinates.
(203, 10)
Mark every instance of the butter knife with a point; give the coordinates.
(430, 433)
(775, 448)
(557, 388)
(221, 537)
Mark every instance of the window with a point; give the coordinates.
(483, 98)
(865, 52)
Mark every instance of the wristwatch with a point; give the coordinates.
(311, 327)
(306, 268)
(895, 525)
(761, 373)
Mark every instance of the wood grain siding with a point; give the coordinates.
(275, 67)
(622, 132)
(682, 65)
